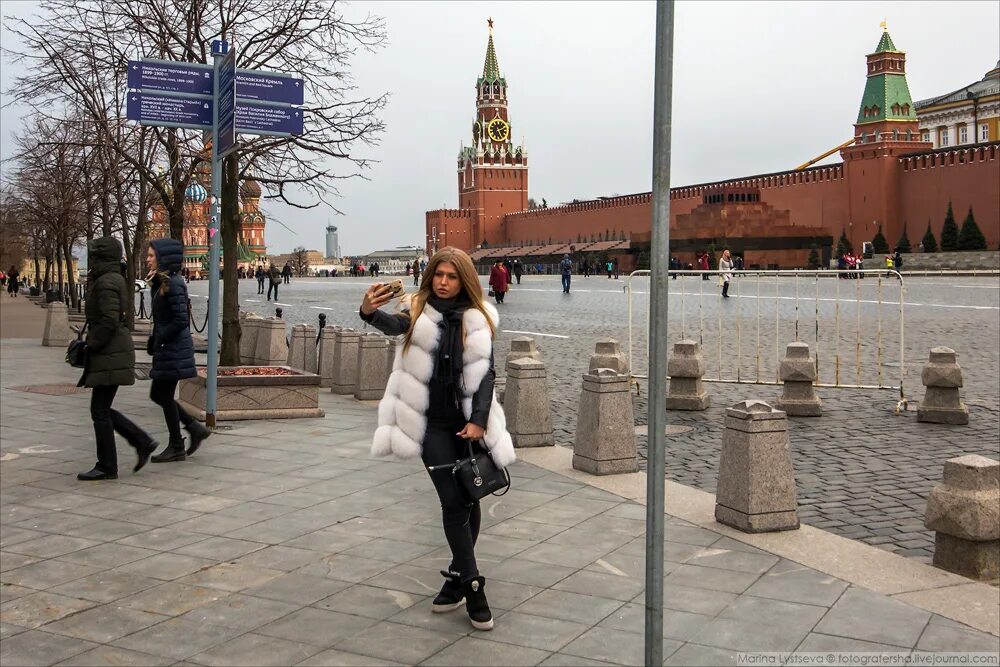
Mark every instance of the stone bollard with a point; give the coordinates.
(328, 338)
(373, 367)
(57, 332)
(608, 354)
(272, 347)
(942, 403)
(686, 368)
(249, 326)
(965, 511)
(302, 351)
(605, 429)
(522, 347)
(798, 373)
(345, 362)
(756, 488)
(529, 418)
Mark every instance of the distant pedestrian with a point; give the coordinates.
(704, 265)
(518, 270)
(416, 273)
(260, 275)
(274, 279)
(738, 261)
(609, 267)
(171, 346)
(616, 267)
(566, 269)
(499, 280)
(586, 269)
(286, 273)
(726, 266)
(897, 260)
(13, 280)
(110, 359)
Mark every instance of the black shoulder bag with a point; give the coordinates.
(477, 476)
(76, 352)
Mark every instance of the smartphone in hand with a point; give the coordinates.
(396, 287)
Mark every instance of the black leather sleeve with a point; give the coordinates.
(395, 324)
(482, 400)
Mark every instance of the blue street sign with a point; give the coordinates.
(166, 111)
(220, 47)
(167, 77)
(269, 87)
(226, 129)
(265, 119)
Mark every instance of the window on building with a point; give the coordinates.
(944, 136)
(963, 135)
(984, 132)
(925, 135)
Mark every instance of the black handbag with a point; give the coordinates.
(76, 351)
(477, 476)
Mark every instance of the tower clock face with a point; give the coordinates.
(498, 129)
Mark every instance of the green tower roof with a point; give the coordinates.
(886, 96)
(491, 69)
(885, 44)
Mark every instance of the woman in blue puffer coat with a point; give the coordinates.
(171, 346)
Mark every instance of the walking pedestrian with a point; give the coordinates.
(171, 346)
(110, 360)
(586, 269)
(274, 279)
(616, 268)
(518, 270)
(440, 401)
(286, 274)
(608, 266)
(499, 280)
(726, 266)
(260, 278)
(416, 273)
(897, 260)
(704, 265)
(13, 280)
(566, 269)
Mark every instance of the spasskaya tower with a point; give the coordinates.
(492, 172)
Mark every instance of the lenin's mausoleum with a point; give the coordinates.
(891, 176)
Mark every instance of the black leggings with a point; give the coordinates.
(461, 520)
(162, 393)
(107, 421)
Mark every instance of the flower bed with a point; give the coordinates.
(255, 392)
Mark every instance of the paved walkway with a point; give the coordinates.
(284, 543)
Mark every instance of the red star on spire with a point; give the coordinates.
(489, 22)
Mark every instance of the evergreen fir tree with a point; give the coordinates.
(949, 232)
(844, 245)
(971, 238)
(930, 243)
(813, 257)
(879, 244)
(903, 244)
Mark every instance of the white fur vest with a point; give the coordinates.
(402, 413)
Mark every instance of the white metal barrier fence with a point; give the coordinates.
(840, 313)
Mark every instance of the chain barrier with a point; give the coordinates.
(193, 324)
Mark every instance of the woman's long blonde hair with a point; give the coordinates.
(468, 278)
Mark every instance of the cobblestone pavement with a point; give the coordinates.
(863, 472)
(284, 543)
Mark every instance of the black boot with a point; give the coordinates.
(173, 452)
(143, 451)
(198, 432)
(476, 605)
(452, 595)
(96, 474)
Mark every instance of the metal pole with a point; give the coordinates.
(658, 310)
(214, 238)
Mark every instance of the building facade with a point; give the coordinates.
(891, 178)
(394, 261)
(967, 116)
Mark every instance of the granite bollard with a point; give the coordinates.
(529, 414)
(345, 361)
(57, 332)
(608, 354)
(798, 373)
(605, 429)
(328, 338)
(522, 347)
(756, 488)
(686, 368)
(302, 351)
(272, 346)
(964, 510)
(373, 367)
(942, 376)
(249, 326)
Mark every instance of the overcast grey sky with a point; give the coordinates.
(758, 87)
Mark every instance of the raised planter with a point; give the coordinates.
(255, 392)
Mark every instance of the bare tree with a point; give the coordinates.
(300, 261)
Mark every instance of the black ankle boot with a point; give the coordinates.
(173, 452)
(96, 474)
(198, 432)
(452, 595)
(143, 451)
(476, 605)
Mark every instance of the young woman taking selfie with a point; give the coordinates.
(438, 398)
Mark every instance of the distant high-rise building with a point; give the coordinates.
(332, 243)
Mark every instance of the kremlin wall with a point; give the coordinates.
(890, 177)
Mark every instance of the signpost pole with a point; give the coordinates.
(660, 251)
(219, 49)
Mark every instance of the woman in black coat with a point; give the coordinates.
(171, 346)
(110, 359)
